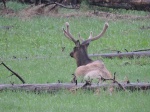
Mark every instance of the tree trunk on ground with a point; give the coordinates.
(53, 87)
(121, 55)
(125, 4)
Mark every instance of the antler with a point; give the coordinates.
(91, 38)
(68, 34)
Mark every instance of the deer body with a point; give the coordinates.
(94, 70)
(86, 67)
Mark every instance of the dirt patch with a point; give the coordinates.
(7, 12)
(30, 11)
(38, 10)
(51, 10)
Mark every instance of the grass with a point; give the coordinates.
(33, 48)
(16, 6)
(81, 102)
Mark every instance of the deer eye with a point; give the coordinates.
(75, 49)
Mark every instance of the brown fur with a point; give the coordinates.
(94, 70)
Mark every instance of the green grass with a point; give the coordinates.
(16, 6)
(81, 102)
(33, 49)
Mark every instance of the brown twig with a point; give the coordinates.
(88, 83)
(14, 73)
(141, 50)
(59, 4)
(114, 81)
(66, 6)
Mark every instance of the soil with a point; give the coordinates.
(51, 10)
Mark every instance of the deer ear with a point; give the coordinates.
(77, 43)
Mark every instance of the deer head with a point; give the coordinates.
(80, 50)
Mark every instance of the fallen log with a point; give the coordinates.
(125, 4)
(121, 55)
(53, 87)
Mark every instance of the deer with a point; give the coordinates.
(86, 67)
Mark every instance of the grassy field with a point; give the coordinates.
(33, 48)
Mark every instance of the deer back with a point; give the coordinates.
(90, 69)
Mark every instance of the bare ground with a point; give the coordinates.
(41, 10)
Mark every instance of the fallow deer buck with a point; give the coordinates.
(86, 67)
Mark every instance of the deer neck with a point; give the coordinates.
(83, 62)
(82, 59)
